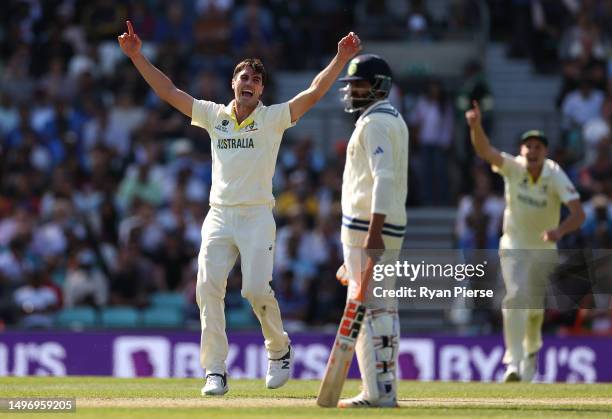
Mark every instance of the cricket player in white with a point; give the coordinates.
(535, 188)
(374, 188)
(245, 137)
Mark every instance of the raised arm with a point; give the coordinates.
(479, 138)
(300, 104)
(131, 44)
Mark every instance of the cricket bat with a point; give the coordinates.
(342, 352)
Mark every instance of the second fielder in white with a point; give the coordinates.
(245, 137)
(374, 189)
(535, 188)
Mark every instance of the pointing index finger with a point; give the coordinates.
(130, 28)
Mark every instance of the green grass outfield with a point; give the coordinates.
(151, 398)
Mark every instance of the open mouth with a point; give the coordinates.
(246, 94)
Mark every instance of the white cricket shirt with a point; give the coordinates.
(243, 155)
(532, 208)
(378, 147)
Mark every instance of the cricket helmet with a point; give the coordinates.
(372, 68)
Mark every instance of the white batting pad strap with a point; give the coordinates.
(366, 358)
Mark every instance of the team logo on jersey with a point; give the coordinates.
(223, 126)
(251, 127)
(378, 150)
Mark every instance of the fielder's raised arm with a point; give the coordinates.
(163, 87)
(479, 138)
(303, 101)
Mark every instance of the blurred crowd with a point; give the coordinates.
(103, 188)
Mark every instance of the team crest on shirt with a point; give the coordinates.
(222, 126)
(251, 127)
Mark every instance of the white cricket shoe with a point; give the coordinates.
(279, 370)
(529, 367)
(360, 401)
(512, 374)
(216, 385)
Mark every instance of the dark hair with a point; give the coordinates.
(255, 64)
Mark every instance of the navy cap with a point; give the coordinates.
(368, 67)
(536, 134)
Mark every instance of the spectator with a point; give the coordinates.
(432, 118)
(548, 18)
(292, 302)
(174, 258)
(253, 33)
(135, 279)
(582, 105)
(85, 283)
(139, 185)
(474, 87)
(37, 300)
(597, 177)
(479, 216)
(418, 22)
(597, 228)
(175, 24)
(123, 119)
(582, 54)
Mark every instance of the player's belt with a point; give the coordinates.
(388, 229)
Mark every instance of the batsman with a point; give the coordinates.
(535, 188)
(374, 189)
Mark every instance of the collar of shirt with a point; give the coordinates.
(546, 170)
(370, 108)
(229, 110)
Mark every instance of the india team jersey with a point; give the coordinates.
(378, 147)
(243, 155)
(532, 208)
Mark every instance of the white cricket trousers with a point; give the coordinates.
(526, 274)
(355, 260)
(228, 231)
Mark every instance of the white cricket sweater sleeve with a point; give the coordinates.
(510, 168)
(279, 116)
(204, 113)
(564, 187)
(379, 152)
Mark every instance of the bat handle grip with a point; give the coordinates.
(366, 276)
